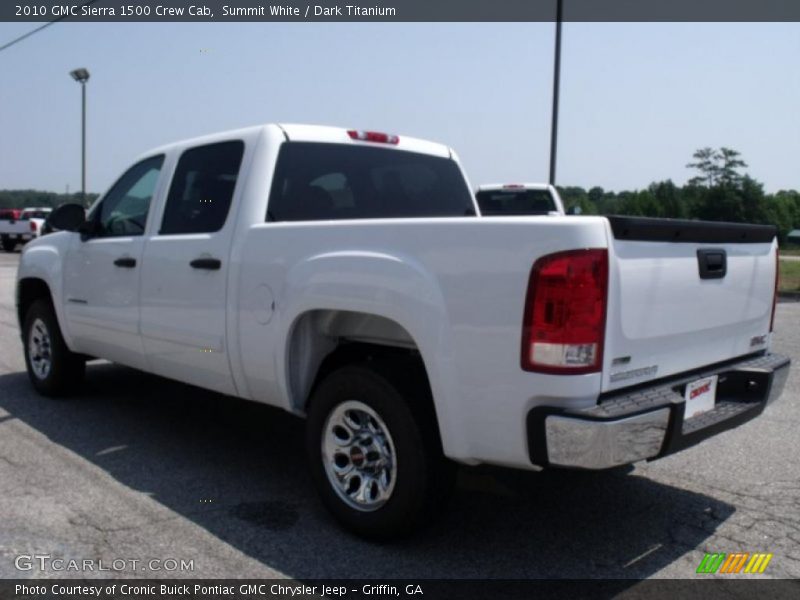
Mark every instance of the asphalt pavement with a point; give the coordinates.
(140, 468)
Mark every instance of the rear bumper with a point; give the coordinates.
(648, 422)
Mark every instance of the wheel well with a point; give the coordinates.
(324, 340)
(30, 290)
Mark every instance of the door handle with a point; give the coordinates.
(126, 262)
(712, 263)
(210, 264)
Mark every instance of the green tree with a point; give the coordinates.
(707, 162)
(596, 195)
(728, 162)
(669, 199)
(577, 196)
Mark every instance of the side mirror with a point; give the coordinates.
(67, 217)
(574, 210)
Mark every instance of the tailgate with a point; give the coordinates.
(685, 294)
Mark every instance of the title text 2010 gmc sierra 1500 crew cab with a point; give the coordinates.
(347, 276)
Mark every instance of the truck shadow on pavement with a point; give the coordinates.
(237, 469)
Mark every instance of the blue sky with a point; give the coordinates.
(637, 99)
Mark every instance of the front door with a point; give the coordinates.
(102, 269)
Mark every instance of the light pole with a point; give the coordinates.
(556, 82)
(82, 76)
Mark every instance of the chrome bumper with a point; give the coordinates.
(575, 442)
(649, 423)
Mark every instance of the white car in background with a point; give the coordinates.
(22, 230)
(516, 199)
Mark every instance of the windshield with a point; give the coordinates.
(515, 202)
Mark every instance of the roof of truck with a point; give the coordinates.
(317, 133)
(496, 187)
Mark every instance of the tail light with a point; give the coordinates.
(373, 136)
(775, 291)
(33, 226)
(565, 313)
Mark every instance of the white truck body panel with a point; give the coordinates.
(667, 320)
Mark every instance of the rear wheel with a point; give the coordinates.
(9, 244)
(375, 454)
(54, 370)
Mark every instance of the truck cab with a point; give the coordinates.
(518, 199)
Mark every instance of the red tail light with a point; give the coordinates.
(373, 136)
(565, 313)
(775, 291)
(33, 226)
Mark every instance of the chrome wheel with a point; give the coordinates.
(358, 455)
(39, 350)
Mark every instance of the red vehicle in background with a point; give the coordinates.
(10, 214)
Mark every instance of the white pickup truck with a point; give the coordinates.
(519, 199)
(21, 230)
(348, 277)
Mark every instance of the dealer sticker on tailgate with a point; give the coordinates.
(701, 395)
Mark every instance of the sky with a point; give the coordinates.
(637, 99)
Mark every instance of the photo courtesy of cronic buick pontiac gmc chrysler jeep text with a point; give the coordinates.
(348, 277)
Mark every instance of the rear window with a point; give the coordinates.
(515, 202)
(34, 214)
(318, 181)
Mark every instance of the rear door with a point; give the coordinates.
(685, 294)
(185, 269)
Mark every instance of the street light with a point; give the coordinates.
(82, 76)
(556, 85)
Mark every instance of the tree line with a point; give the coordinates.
(718, 192)
(38, 199)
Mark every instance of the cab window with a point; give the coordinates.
(202, 188)
(123, 210)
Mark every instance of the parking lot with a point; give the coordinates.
(139, 467)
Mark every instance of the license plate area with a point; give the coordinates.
(700, 396)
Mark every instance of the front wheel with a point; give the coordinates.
(54, 370)
(375, 454)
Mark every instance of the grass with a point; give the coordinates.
(790, 276)
(793, 251)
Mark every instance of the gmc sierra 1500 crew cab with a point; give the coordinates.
(348, 277)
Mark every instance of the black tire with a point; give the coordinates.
(423, 477)
(66, 368)
(9, 245)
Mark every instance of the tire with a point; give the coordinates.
(54, 370)
(387, 502)
(9, 245)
